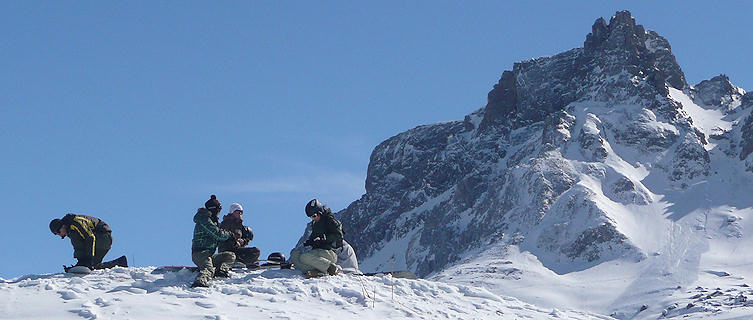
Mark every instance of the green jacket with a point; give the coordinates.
(83, 231)
(207, 233)
(329, 229)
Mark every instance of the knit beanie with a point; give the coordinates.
(55, 225)
(213, 204)
(235, 207)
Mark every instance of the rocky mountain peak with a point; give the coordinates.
(617, 56)
(717, 91)
(621, 32)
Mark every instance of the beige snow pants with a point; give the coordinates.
(317, 259)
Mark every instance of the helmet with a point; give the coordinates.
(55, 225)
(314, 207)
(276, 257)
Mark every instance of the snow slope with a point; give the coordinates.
(136, 293)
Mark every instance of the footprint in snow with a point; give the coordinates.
(207, 305)
(102, 302)
(718, 273)
(85, 313)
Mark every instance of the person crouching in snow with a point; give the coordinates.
(206, 236)
(91, 239)
(326, 236)
(242, 235)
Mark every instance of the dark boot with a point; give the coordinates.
(313, 274)
(119, 262)
(219, 273)
(199, 284)
(333, 270)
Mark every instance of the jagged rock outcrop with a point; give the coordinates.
(614, 58)
(561, 142)
(718, 92)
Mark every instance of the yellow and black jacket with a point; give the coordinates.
(83, 232)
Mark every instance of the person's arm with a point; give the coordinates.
(84, 242)
(214, 231)
(334, 233)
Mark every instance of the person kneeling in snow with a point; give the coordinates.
(206, 236)
(326, 236)
(91, 239)
(242, 235)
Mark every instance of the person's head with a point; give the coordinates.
(213, 205)
(236, 212)
(58, 228)
(314, 210)
(236, 207)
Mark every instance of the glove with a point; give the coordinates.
(318, 244)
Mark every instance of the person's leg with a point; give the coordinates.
(203, 259)
(248, 256)
(223, 261)
(319, 259)
(101, 246)
(298, 264)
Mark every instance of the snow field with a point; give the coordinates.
(136, 293)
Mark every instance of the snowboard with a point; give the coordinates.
(263, 264)
(403, 274)
(79, 270)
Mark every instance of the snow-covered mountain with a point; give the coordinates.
(597, 174)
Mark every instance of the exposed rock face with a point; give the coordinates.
(718, 92)
(561, 141)
(615, 57)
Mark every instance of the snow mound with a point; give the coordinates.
(136, 293)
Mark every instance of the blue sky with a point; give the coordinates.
(136, 112)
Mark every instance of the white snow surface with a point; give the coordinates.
(136, 293)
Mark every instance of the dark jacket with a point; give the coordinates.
(207, 233)
(83, 231)
(242, 235)
(328, 230)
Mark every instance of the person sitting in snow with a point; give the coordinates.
(326, 236)
(206, 236)
(242, 235)
(91, 239)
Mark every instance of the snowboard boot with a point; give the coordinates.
(219, 273)
(314, 274)
(119, 262)
(333, 270)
